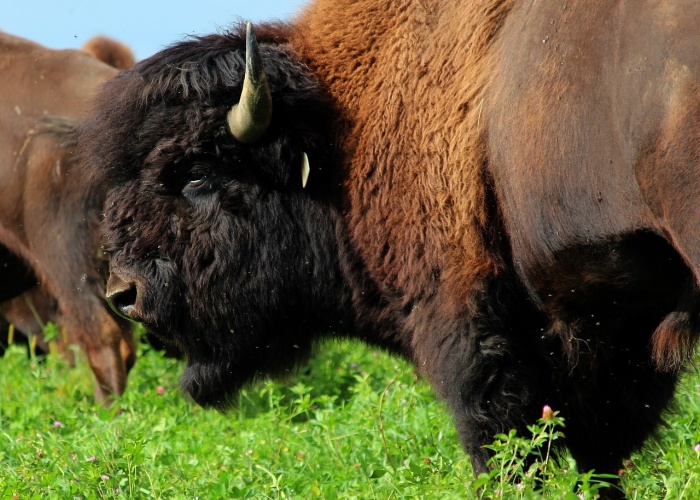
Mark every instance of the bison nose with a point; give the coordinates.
(121, 296)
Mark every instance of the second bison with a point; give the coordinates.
(51, 267)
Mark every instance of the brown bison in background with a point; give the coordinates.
(504, 192)
(50, 269)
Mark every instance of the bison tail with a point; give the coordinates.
(673, 342)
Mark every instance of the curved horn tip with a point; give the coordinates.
(253, 60)
(249, 119)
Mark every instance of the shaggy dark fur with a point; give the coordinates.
(480, 202)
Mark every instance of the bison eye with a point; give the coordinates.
(198, 181)
(197, 176)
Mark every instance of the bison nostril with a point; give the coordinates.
(123, 302)
(121, 296)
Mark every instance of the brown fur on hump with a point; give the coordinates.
(409, 77)
(110, 51)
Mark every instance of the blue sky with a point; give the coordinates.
(145, 25)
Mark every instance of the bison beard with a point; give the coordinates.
(469, 210)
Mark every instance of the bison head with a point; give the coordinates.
(216, 244)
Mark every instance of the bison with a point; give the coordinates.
(502, 191)
(50, 267)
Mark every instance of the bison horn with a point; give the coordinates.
(305, 170)
(248, 120)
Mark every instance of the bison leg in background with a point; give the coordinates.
(63, 239)
(111, 355)
(106, 340)
(29, 314)
(4, 333)
(5, 340)
(15, 278)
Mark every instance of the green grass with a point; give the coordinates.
(354, 424)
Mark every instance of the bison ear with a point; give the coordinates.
(249, 119)
(305, 169)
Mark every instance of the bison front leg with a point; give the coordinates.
(492, 376)
(498, 390)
